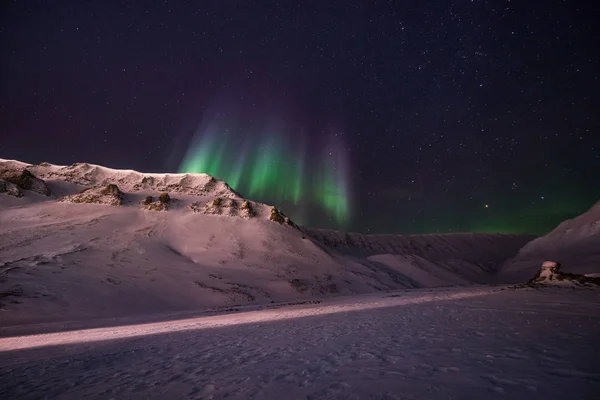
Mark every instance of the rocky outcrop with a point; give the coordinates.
(23, 179)
(242, 208)
(10, 189)
(550, 274)
(247, 209)
(226, 206)
(109, 195)
(161, 204)
(279, 217)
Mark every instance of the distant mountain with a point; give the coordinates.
(106, 242)
(430, 259)
(575, 244)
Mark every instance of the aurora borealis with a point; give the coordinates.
(268, 162)
(367, 116)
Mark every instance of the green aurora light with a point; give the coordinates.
(274, 168)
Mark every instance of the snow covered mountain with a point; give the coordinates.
(85, 241)
(575, 244)
(428, 260)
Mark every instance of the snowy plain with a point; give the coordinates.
(449, 343)
(205, 300)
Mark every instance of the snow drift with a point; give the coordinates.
(106, 242)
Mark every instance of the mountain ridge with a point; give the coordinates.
(203, 245)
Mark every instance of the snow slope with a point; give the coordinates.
(575, 244)
(428, 260)
(78, 254)
(458, 343)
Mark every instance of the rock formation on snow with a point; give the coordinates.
(550, 275)
(10, 188)
(240, 208)
(23, 179)
(279, 217)
(163, 202)
(220, 206)
(109, 194)
(225, 206)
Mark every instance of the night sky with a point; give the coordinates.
(370, 116)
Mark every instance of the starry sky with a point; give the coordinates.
(369, 116)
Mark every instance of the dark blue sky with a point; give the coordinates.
(456, 115)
